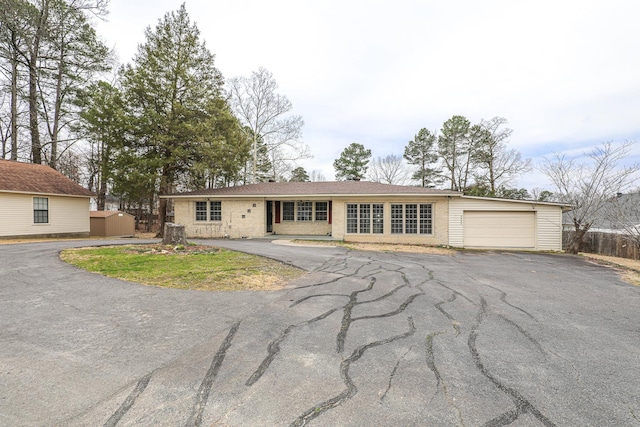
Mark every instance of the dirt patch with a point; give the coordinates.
(382, 247)
(630, 267)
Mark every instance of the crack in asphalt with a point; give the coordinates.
(393, 373)
(296, 302)
(128, 403)
(454, 323)
(351, 389)
(430, 360)
(503, 298)
(440, 383)
(346, 316)
(522, 405)
(274, 346)
(399, 310)
(524, 332)
(195, 418)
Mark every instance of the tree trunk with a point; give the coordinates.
(36, 145)
(576, 241)
(174, 234)
(14, 100)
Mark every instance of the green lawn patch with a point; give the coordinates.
(184, 267)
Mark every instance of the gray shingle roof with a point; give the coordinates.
(33, 178)
(317, 188)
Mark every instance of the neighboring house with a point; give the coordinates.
(619, 215)
(360, 211)
(37, 201)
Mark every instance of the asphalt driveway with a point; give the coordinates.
(364, 339)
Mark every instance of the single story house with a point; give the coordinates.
(361, 211)
(38, 201)
(111, 223)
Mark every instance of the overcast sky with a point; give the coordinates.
(564, 73)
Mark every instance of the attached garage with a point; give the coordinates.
(487, 223)
(499, 229)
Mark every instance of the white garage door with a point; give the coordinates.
(493, 229)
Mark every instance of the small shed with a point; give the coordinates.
(111, 223)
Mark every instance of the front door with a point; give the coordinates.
(269, 216)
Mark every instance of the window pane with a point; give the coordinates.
(378, 218)
(216, 211)
(396, 219)
(352, 218)
(411, 218)
(201, 211)
(288, 211)
(40, 210)
(304, 211)
(425, 219)
(365, 218)
(321, 211)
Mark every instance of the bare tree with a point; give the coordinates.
(496, 165)
(317, 176)
(264, 112)
(389, 170)
(588, 186)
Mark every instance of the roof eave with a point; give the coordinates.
(35, 193)
(300, 196)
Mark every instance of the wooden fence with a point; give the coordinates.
(610, 244)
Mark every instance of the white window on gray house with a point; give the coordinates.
(288, 211)
(305, 211)
(41, 210)
(215, 211)
(412, 218)
(321, 211)
(365, 218)
(201, 211)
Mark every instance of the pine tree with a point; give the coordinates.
(352, 163)
(171, 89)
(421, 153)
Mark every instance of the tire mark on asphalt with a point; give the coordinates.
(346, 316)
(128, 403)
(351, 389)
(522, 405)
(393, 373)
(273, 349)
(195, 418)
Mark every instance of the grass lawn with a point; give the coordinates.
(189, 267)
